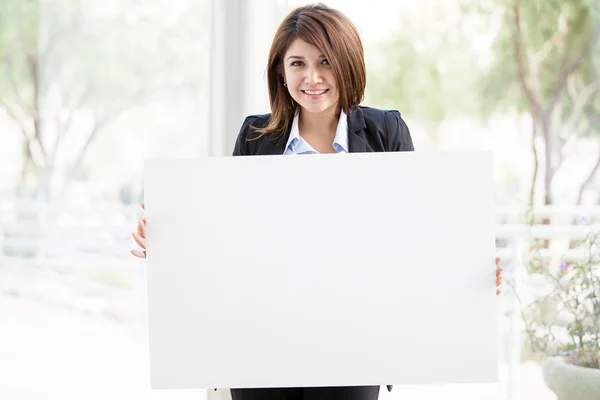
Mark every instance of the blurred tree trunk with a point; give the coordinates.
(545, 95)
(590, 178)
(536, 162)
(543, 65)
(64, 75)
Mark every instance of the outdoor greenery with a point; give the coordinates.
(565, 319)
(543, 60)
(71, 71)
(86, 81)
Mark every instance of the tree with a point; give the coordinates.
(427, 67)
(19, 22)
(68, 69)
(546, 64)
(409, 81)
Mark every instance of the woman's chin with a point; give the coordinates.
(315, 107)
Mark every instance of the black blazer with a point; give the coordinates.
(369, 130)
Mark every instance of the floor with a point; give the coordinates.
(50, 352)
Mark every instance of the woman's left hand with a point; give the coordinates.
(499, 270)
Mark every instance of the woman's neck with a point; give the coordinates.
(322, 124)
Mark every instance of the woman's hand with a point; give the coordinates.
(499, 270)
(140, 237)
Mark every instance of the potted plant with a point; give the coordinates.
(562, 320)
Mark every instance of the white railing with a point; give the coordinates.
(85, 251)
(566, 224)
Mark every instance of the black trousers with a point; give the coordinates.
(313, 393)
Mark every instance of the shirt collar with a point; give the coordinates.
(340, 142)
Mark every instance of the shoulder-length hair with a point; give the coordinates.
(333, 34)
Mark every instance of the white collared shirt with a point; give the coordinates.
(297, 145)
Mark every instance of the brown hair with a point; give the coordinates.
(336, 36)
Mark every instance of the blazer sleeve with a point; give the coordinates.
(398, 135)
(241, 143)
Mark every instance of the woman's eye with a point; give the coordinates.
(296, 63)
(325, 61)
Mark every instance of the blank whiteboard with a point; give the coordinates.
(321, 270)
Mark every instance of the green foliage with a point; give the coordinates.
(540, 40)
(409, 80)
(565, 320)
(76, 67)
(429, 72)
(96, 56)
(107, 60)
(19, 21)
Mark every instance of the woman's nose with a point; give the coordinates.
(313, 76)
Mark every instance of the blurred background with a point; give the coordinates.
(90, 89)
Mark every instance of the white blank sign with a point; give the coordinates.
(324, 270)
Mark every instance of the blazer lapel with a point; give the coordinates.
(356, 137)
(273, 145)
(356, 131)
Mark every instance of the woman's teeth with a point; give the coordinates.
(315, 92)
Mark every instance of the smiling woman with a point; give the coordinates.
(309, 77)
(316, 77)
(316, 64)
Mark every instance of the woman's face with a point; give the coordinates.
(309, 77)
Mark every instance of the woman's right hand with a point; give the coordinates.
(140, 237)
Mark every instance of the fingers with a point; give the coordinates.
(140, 236)
(142, 243)
(499, 271)
(139, 240)
(139, 253)
(142, 227)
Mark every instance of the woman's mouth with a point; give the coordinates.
(315, 94)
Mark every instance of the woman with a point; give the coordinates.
(316, 77)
